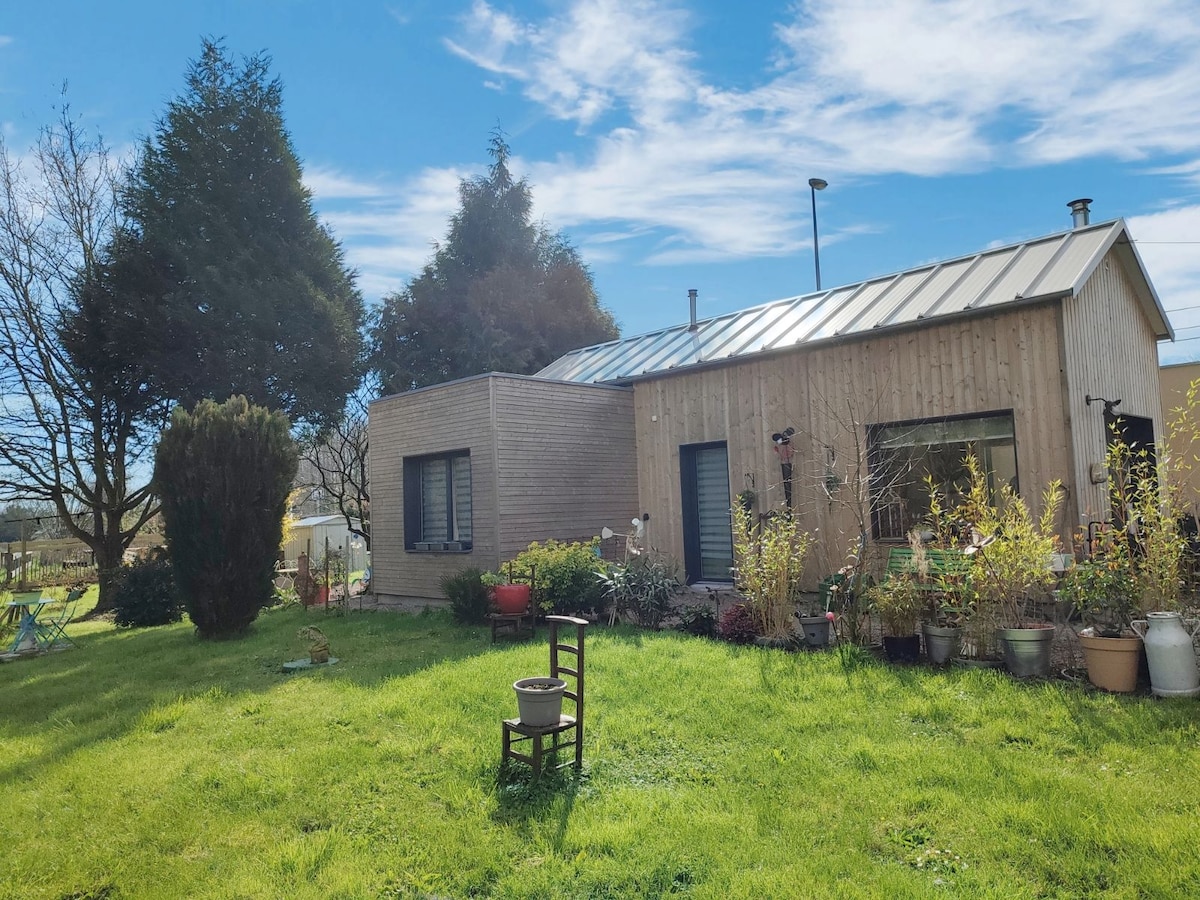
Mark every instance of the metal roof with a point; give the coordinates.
(1053, 266)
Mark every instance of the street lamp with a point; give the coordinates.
(814, 185)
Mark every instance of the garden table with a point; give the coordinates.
(30, 634)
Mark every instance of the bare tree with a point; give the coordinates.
(77, 413)
(334, 461)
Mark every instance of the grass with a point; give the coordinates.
(150, 764)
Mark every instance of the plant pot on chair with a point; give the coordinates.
(539, 700)
(511, 599)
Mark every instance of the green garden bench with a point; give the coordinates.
(944, 565)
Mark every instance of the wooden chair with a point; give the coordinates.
(568, 732)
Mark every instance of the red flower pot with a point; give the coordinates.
(511, 598)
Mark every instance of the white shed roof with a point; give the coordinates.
(1053, 266)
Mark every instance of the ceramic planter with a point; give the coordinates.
(1170, 654)
(1027, 650)
(511, 599)
(816, 630)
(539, 700)
(942, 643)
(1112, 662)
(903, 648)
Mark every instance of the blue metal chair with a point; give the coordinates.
(52, 631)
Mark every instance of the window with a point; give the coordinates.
(437, 502)
(707, 531)
(904, 454)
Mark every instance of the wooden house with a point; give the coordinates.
(468, 473)
(1023, 354)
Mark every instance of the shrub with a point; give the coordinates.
(698, 619)
(467, 594)
(642, 586)
(739, 624)
(566, 582)
(223, 472)
(146, 594)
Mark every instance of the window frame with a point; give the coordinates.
(414, 537)
(875, 461)
(689, 491)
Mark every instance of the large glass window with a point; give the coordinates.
(437, 502)
(707, 530)
(905, 456)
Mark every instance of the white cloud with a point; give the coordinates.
(858, 87)
(1169, 244)
(388, 229)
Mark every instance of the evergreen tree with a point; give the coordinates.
(224, 472)
(257, 299)
(502, 293)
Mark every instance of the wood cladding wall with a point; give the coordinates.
(441, 419)
(1111, 352)
(1010, 360)
(548, 460)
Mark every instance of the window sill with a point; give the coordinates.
(439, 547)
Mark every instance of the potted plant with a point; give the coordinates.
(508, 598)
(1013, 572)
(1144, 492)
(318, 644)
(539, 700)
(1102, 590)
(898, 602)
(768, 563)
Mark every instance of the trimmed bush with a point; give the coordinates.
(698, 619)
(567, 582)
(146, 594)
(739, 624)
(468, 596)
(224, 472)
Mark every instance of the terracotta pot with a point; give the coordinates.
(511, 598)
(1112, 662)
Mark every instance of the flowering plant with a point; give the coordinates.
(1103, 588)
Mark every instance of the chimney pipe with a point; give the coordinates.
(1080, 212)
(692, 292)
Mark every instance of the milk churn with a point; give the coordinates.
(1170, 654)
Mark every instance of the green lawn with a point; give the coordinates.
(149, 764)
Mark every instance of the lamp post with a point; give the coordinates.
(814, 185)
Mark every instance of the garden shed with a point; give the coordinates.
(844, 400)
(310, 534)
(468, 473)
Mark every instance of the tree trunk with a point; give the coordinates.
(109, 554)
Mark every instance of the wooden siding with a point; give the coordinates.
(1009, 360)
(548, 460)
(454, 416)
(1110, 351)
(1174, 381)
(566, 459)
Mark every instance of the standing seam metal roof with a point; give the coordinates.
(1052, 266)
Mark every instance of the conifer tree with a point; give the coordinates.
(224, 472)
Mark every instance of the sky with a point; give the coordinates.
(672, 142)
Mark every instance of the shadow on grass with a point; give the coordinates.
(522, 799)
(63, 702)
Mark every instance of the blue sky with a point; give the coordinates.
(673, 141)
